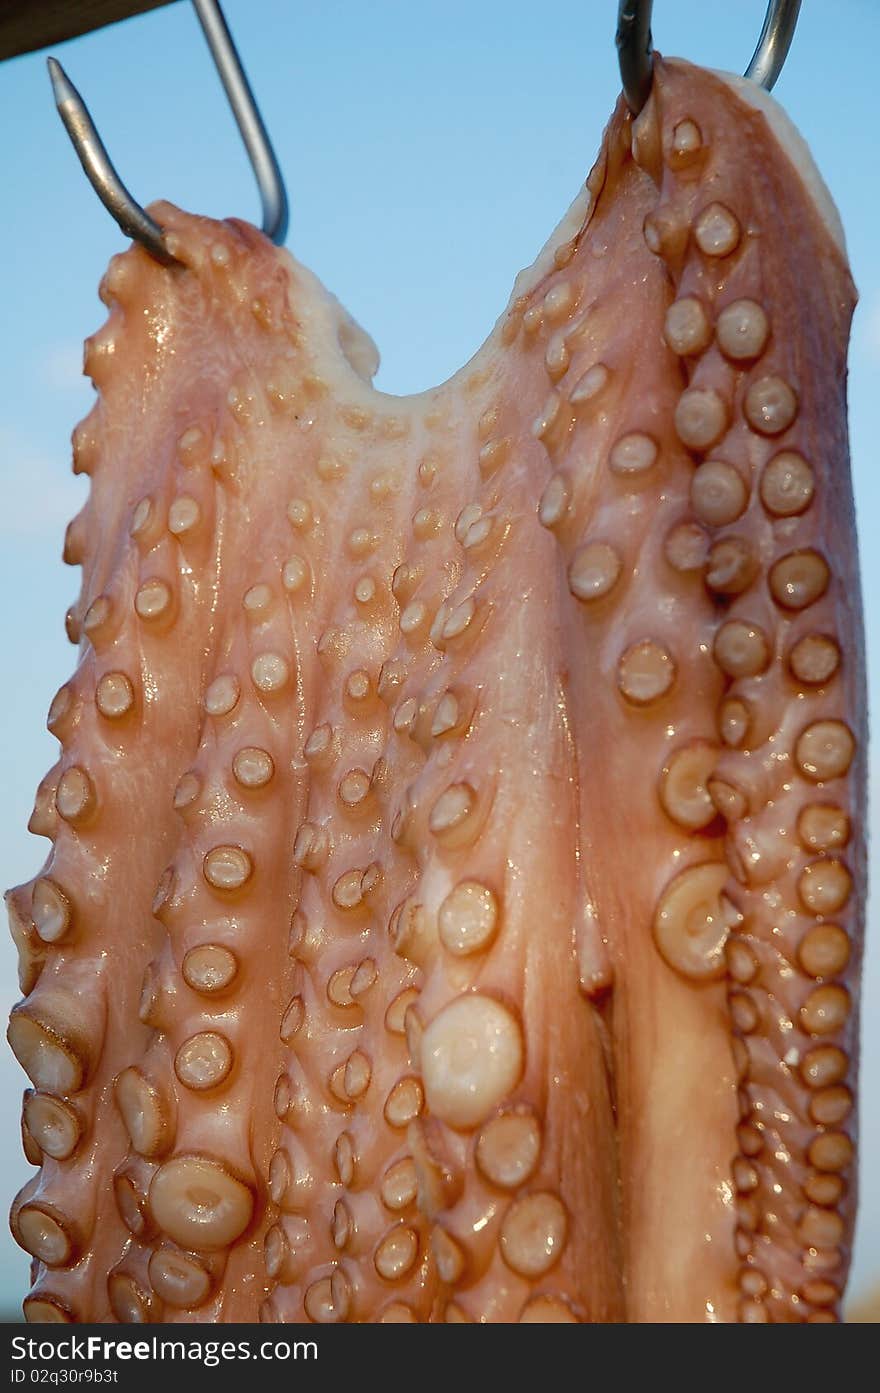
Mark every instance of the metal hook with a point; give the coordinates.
(106, 182)
(635, 50)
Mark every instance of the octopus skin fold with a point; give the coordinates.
(455, 897)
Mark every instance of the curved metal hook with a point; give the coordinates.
(773, 43)
(267, 172)
(636, 54)
(106, 182)
(102, 176)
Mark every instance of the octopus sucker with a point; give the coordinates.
(454, 905)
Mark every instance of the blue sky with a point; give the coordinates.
(429, 150)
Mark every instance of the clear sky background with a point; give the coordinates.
(429, 150)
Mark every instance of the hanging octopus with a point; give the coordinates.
(455, 896)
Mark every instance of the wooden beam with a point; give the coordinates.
(26, 25)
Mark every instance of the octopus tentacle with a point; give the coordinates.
(454, 899)
(778, 487)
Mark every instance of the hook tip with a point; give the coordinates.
(62, 87)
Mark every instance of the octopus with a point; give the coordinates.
(454, 905)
